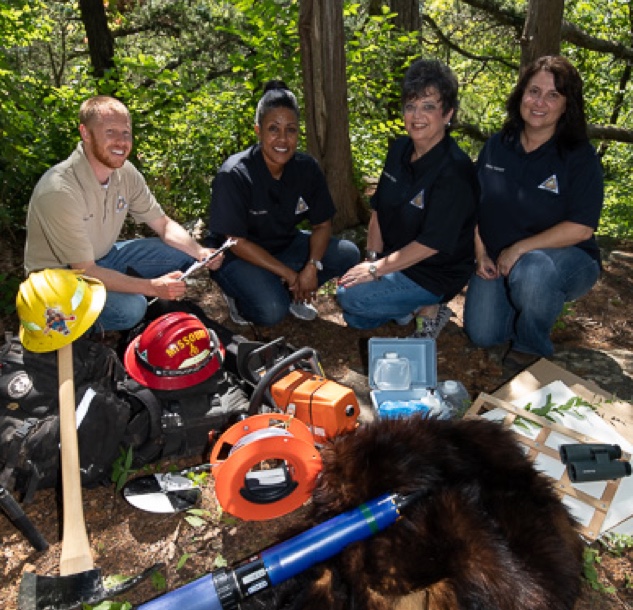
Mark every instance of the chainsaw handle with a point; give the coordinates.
(276, 371)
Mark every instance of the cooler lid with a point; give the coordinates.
(421, 354)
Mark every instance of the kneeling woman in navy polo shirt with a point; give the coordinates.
(258, 197)
(421, 230)
(541, 197)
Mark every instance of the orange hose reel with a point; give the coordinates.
(260, 441)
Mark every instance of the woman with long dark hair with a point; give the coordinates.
(541, 198)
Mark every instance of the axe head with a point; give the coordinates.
(71, 591)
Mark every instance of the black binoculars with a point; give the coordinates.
(593, 462)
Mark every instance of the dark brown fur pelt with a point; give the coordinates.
(489, 532)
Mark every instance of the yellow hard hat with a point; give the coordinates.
(57, 306)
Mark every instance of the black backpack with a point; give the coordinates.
(181, 423)
(29, 415)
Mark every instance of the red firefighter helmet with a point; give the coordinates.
(175, 351)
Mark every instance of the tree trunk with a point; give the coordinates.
(542, 30)
(408, 11)
(325, 99)
(100, 41)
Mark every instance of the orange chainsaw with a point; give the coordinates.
(295, 384)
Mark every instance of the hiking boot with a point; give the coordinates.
(233, 311)
(303, 311)
(514, 361)
(430, 328)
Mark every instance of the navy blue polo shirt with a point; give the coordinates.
(432, 201)
(246, 201)
(523, 194)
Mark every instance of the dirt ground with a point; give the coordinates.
(126, 540)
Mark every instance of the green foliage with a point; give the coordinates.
(550, 408)
(183, 559)
(197, 517)
(122, 468)
(568, 310)
(10, 285)
(616, 544)
(157, 579)
(591, 558)
(108, 605)
(192, 72)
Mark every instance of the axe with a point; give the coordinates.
(79, 581)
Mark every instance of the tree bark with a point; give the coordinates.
(325, 99)
(100, 41)
(408, 11)
(542, 30)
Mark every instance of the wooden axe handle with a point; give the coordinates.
(76, 555)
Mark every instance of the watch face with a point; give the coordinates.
(317, 264)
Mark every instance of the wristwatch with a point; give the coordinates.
(316, 263)
(373, 271)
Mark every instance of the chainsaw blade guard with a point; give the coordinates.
(265, 467)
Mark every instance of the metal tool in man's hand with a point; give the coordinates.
(198, 264)
(225, 246)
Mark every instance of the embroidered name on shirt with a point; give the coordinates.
(302, 206)
(418, 200)
(495, 168)
(551, 184)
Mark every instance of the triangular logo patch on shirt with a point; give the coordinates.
(121, 204)
(551, 184)
(418, 200)
(302, 206)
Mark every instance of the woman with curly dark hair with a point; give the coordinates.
(541, 198)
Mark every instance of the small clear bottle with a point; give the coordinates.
(455, 396)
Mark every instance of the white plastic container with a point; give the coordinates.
(454, 395)
(392, 372)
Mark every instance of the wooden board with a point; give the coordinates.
(600, 506)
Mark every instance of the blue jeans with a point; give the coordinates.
(260, 295)
(148, 258)
(373, 304)
(523, 307)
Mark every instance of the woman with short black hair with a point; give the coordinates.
(259, 196)
(420, 236)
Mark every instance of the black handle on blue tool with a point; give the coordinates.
(224, 589)
(14, 511)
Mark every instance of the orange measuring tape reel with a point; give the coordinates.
(265, 466)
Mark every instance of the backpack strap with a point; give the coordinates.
(13, 451)
(151, 449)
(7, 475)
